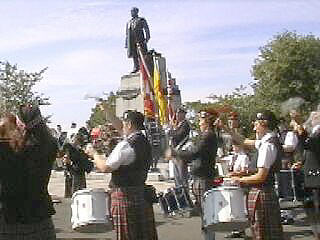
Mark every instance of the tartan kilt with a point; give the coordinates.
(264, 214)
(43, 230)
(132, 216)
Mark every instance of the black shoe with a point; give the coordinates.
(135, 71)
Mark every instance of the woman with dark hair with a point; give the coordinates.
(27, 152)
(202, 156)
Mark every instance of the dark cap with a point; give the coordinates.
(269, 116)
(135, 118)
(181, 109)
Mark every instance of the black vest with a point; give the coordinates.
(134, 174)
(24, 177)
(276, 166)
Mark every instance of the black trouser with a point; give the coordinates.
(73, 183)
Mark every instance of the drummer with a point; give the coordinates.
(238, 166)
(129, 162)
(239, 161)
(263, 203)
(202, 157)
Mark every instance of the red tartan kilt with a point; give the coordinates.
(264, 214)
(132, 216)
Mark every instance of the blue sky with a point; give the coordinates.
(209, 45)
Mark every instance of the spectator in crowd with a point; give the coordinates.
(26, 161)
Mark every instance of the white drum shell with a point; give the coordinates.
(89, 207)
(171, 169)
(224, 209)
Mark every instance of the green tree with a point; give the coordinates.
(98, 117)
(288, 66)
(16, 87)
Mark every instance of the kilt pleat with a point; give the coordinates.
(264, 214)
(132, 216)
(43, 230)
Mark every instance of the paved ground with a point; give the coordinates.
(172, 228)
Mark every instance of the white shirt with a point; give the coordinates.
(71, 134)
(241, 163)
(267, 152)
(316, 129)
(291, 139)
(122, 154)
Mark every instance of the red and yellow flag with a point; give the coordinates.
(160, 97)
(146, 87)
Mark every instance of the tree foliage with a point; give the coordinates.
(98, 117)
(16, 87)
(288, 66)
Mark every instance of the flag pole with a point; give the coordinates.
(145, 67)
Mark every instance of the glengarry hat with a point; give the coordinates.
(135, 117)
(268, 116)
(181, 109)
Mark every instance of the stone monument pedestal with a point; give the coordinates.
(129, 94)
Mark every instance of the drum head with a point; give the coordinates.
(89, 191)
(222, 188)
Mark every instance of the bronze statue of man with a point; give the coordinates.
(137, 32)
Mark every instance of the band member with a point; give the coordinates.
(263, 203)
(129, 162)
(179, 135)
(289, 140)
(202, 156)
(312, 174)
(76, 164)
(239, 161)
(26, 160)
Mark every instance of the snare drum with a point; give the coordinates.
(90, 210)
(224, 209)
(175, 199)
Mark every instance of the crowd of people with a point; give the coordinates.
(28, 150)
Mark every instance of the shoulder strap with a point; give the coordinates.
(276, 166)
